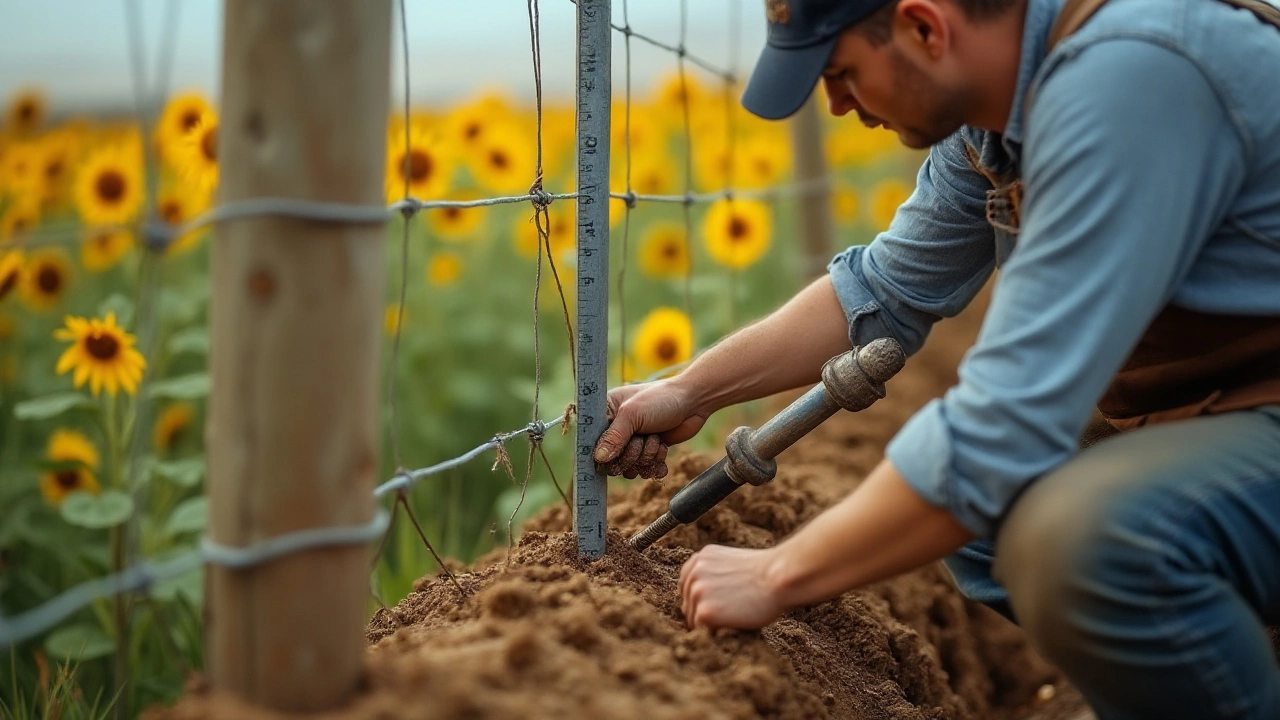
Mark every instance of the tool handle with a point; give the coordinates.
(853, 381)
(699, 496)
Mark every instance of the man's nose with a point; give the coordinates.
(839, 100)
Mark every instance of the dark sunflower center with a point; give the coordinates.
(26, 111)
(499, 159)
(53, 170)
(671, 251)
(171, 212)
(68, 479)
(111, 186)
(49, 279)
(452, 214)
(102, 346)
(8, 282)
(209, 144)
(19, 225)
(420, 166)
(173, 433)
(189, 120)
(666, 349)
(738, 229)
(471, 131)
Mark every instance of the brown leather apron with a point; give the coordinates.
(1186, 363)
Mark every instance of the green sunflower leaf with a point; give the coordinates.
(122, 306)
(193, 340)
(97, 512)
(186, 473)
(191, 515)
(51, 406)
(190, 584)
(79, 642)
(185, 387)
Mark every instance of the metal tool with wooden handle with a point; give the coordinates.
(852, 381)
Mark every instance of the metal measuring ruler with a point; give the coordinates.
(594, 102)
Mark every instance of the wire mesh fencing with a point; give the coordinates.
(736, 223)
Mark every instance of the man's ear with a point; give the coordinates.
(923, 26)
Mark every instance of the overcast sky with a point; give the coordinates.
(78, 50)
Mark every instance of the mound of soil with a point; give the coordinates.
(541, 634)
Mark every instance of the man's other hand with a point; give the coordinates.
(729, 587)
(645, 420)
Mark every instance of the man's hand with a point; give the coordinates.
(645, 420)
(881, 529)
(729, 587)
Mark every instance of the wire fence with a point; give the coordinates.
(142, 574)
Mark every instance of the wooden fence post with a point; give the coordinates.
(817, 235)
(296, 340)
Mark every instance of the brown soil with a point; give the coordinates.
(548, 636)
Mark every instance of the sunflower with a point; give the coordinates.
(737, 232)
(664, 338)
(56, 485)
(72, 446)
(391, 318)
(469, 126)
(443, 269)
(714, 165)
(171, 425)
(25, 113)
(181, 116)
(560, 232)
(102, 353)
(104, 247)
(58, 153)
(21, 217)
(858, 145)
(559, 138)
(429, 165)
(664, 251)
(109, 186)
(45, 278)
(674, 94)
(79, 460)
(456, 224)
(886, 196)
(504, 162)
(21, 169)
(764, 162)
(10, 271)
(176, 207)
(196, 156)
(617, 211)
(652, 173)
(648, 133)
(844, 204)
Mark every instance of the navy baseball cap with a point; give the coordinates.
(802, 34)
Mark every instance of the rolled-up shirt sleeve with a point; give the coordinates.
(934, 258)
(1131, 162)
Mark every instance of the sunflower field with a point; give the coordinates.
(103, 382)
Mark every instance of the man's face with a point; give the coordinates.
(886, 87)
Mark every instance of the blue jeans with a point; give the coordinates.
(1147, 567)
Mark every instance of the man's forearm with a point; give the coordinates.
(783, 351)
(882, 529)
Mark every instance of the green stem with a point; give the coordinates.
(115, 480)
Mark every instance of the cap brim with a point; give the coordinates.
(784, 78)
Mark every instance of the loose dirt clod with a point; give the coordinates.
(546, 635)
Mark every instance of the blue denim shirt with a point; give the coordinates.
(1151, 157)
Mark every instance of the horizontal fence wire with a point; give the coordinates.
(138, 578)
